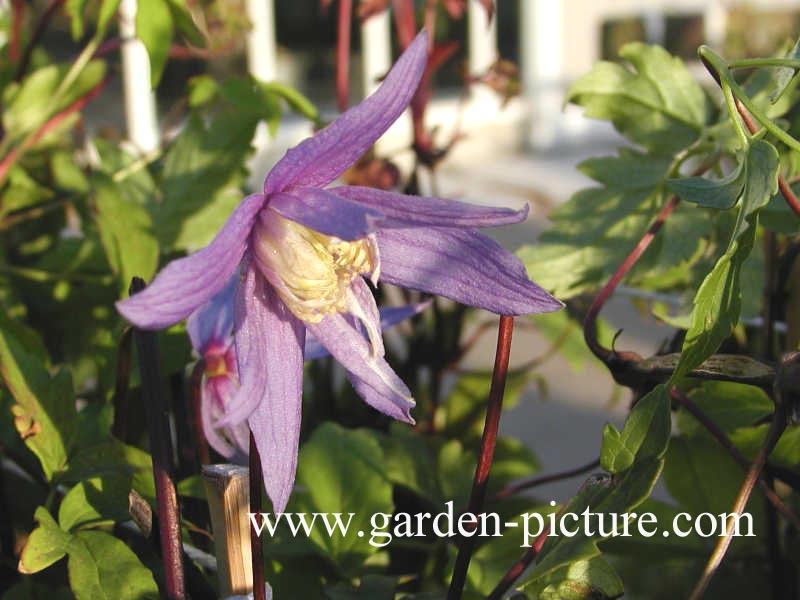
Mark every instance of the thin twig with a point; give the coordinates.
(256, 549)
(776, 428)
(689, 405)
(518, 568)
(488, 441)
(533, 482)
(157, 414)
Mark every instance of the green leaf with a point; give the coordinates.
(592, 579)
(201, 179)
(729, 405)
(29, 104)
(712, 193)
(783, 76)
(411, 462)
(612, 498)
(371, 587)
(655, 103)
(342, 471)
(566, 335)
(296, 101)
(47, 544)
(44, 413)
(465, 406)
(702, 477)
(202, 89)
(102, 567)
(456, 470)
(126, 232)
(108, 9)
(95, 502)
(75, 9)
(155, 27)
(644, 435)
(761, 183)
(717, 305)
(597, 228)
(786, 451)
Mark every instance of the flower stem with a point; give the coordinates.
(488, 441)
(38, 32)
(519, 567)
(157, 414)
(343, 54)
(256, 550)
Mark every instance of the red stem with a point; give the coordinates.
(488, 441)
(783, 186)
(38, 32)
(519, 567)
(589, 324)
(157, 414)
(403, 11)
(18, 12)
(343, 54)
(256, 549)
(49, 125)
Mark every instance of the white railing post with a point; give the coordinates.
(482, 45)
(541, 63)
(262, 55)
(140, 101)
(376, 50)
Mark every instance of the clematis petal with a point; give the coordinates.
(404, 210)
(320, 159)
(215, 394)
(212, 323)
(461, 264)
(371, 375)
(185, 284)
(389, 315)
(325, 212)
(361, 305)
(269, 350)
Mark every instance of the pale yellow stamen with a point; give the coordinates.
(311, 272)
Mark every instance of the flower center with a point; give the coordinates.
(215, 365)
(310, 271)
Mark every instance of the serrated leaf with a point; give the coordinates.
(102, 567)
(44, 413)
(342, 471)
(655, 103)
(645, 433)
(155, 28)
(126, 232)
(46, 544)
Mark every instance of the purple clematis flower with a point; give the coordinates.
(210, 330)
(304, 251)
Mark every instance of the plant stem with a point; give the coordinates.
(528, 484)
(157, 414)
(689, 405)
(777, 427)
(38, 32)
(488, 441)
(343, 54)
(519, 567)
(256, 549)
(784, 187)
